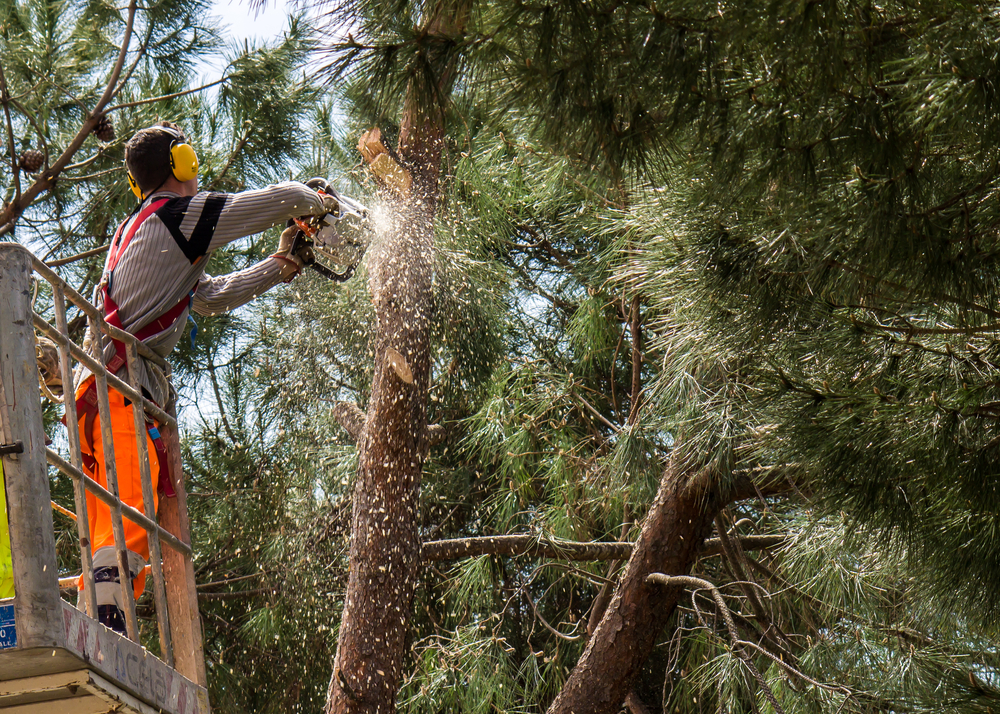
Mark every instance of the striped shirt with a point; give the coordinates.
(167, 257)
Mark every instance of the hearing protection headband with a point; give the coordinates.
(183, 161)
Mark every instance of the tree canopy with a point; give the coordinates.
(712, 285)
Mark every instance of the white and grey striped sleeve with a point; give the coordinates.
(222, 293)
(249, 212)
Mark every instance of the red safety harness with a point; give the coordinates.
(86, 405)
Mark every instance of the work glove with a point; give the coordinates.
(284, 252)
(303, 255)
(330, 204)
(286, 240)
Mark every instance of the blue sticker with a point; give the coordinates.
(8, 630)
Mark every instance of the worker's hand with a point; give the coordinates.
(286, 240)
(291, 263)
(303, 254)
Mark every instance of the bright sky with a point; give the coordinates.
(239, 22)
(243, 22)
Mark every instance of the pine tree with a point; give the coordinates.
(731, 253)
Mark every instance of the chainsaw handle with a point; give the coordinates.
(319, 184)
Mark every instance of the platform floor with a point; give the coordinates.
(79, 692)
(93, 670)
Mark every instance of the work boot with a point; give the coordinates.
(108, 587)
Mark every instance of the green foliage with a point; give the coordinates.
(795, 202)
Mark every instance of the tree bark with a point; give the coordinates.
(385, 546)
(384, 551)
(670, 541)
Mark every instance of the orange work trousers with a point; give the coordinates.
(126, 455)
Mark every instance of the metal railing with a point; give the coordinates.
(172, 570)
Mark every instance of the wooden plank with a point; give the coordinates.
(76, 705)
(73, 433)
(149, 507)
(51, 689)
(131, 667)
(178, 572)
(117, 698)
(18, 664)
(41, 684)
(37, 607)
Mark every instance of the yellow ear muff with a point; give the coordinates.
(183, 162)
(134, 185)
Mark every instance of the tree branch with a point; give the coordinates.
(14, 168)
(44, 182)
(531, 545)
(232, 157)
(350, 417)
(218, 400)
(235, 594)
(164, 97)
(720, 603)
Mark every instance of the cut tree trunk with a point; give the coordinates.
(671, 540)
(385, 548)
(384, 552)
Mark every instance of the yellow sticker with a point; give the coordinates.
(6, 566)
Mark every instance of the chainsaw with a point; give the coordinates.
(340, 237)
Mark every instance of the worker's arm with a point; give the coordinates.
(204, 222)
(219, 294)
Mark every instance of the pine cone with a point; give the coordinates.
(105, 130)
(32, 161)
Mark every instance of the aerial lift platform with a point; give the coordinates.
(55, 658)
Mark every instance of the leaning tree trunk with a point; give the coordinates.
(384, 551)
(671, 538)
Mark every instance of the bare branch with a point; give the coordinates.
(531, 545)
(222, 407)
(720, 603)
(350, 417)
(235, 594)
(78, 256)
(600, 417)
(164, 97)
(14, 168)
(545, 623)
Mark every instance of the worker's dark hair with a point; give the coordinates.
(147, 155)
